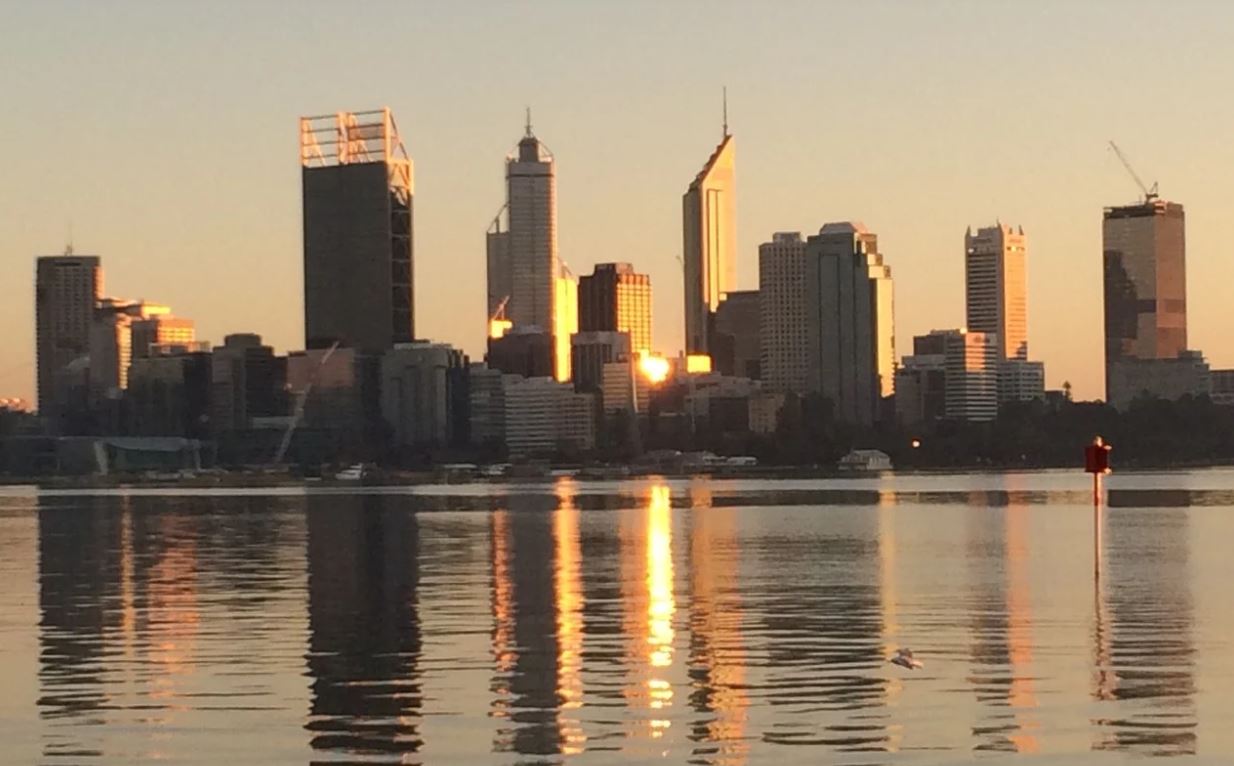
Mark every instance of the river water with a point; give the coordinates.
(678, 621)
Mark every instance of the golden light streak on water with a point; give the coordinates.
(567, 577)
(1022, 696)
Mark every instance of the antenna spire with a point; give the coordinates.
(529, 122)
(725, 97)
(68, 245)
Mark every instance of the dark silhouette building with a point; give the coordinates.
(66, 292)
(357, 186)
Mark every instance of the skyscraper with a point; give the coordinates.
(994, 287)
(67, 290)
(526, 279)
(616, 298)
(709, 243)
(850, 321)
(782, 315)
(1144, 251)
(357, 187)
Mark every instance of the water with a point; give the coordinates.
(702, 622)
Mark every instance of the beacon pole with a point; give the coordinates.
(1097, 462)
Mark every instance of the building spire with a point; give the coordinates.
(725, 97)
(529, 134)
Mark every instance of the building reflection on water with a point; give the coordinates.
(364, 642)
(1143, 640)
(1001, 653)
(527, 647)
(718, 655)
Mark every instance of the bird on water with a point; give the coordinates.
(904, 658)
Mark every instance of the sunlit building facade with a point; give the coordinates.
(1144, 253)
(971, 370)
(709, 243)
(616, 298)
(994, 286)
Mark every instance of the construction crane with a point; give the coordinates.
(1150, 193)
(298, 411)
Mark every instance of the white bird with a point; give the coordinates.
(904, 658)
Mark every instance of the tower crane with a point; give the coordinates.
(1150, 192)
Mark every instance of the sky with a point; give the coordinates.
(163, 137)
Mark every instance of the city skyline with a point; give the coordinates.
(238, 272)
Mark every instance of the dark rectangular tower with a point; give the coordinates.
(67, 290)
(357, 186)
(616, 298)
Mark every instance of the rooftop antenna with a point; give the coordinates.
(68, 245)
(529, 122)
(725, 92)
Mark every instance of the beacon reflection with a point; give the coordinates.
(717, 659)
(1144, 681)
(364, 643)
(1002, 626)
(538, 605)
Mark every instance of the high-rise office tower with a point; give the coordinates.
(528, 285)
(523, 259)
(616, 298)
(358, 276)
(709, 242)
(67, 290)
(850, 321)
(994, 288)
(1144, 250)
(782, 314)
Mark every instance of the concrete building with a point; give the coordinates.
(1144, 253)
(1129, 379)
(337, 391)
(66, 291)
(524, 351)
(358, 257)
(784, 340)
(590, 351)
(996, 296)
(543, 416)
(849, 310)
(157, 327)
(624, 389)
(921, 382)
(764, 412)
(1020, 380)
(1221, 387)
(616, 298)
(736, 347)
(169, 393)
(486, 406)
(247, 381)
(424, 395)
(971, 374)
(709, 243)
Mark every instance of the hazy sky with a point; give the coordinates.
(166, 132)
